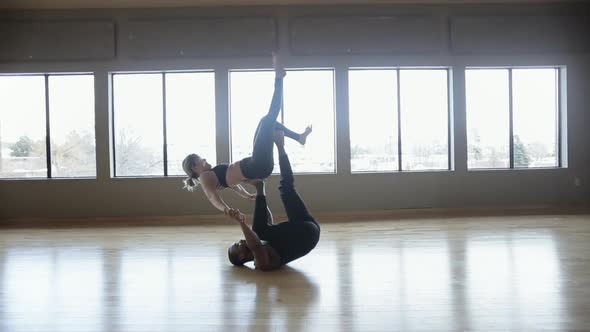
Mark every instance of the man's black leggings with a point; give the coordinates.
(300, 233)
(261, 163)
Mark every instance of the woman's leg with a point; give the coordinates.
(288, 132)
(262, 161)
(301, 138)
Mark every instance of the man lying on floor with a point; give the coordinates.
(270, 245)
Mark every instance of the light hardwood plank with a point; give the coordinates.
(493, 273)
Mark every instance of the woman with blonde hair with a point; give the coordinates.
(258, 166)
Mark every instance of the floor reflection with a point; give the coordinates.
(401, 282)
(468, 275)
(279, 298)
(57, 287)
(515, 276)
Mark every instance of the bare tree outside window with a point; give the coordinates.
(71, 109)
(22, 126)
(138, 124)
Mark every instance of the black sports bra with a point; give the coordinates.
(220, 171)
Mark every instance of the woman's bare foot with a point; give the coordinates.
(279, 70)
(303, 137)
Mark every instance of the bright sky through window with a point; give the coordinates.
(308, 100)
(535, 114)
(23, 126)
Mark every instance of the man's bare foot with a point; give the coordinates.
(279, 70)
(303, 137)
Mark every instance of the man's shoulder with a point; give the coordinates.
(274, 258)
(267, 258)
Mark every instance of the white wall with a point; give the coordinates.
(103, 41)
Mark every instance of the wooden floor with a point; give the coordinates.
(521, 273)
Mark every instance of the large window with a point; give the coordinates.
(71, 109)
(159, 118)
(35, 107)
(190, 118)
(399, 119)
(373, 120)
(308, 100)
(512, 117)
(250, 96)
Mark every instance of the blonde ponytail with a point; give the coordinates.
(192, 181)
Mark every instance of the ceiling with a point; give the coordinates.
(55, 4)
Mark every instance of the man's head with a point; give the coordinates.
(239, 253)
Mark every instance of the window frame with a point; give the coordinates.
(398, 69)
(47, 113)
(164, 117)
(282, 115)
(560, 71)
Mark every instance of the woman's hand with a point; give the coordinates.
(236, 215)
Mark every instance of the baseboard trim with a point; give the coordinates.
(323, 217)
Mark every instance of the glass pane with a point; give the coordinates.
(190, 118)
(424, 119)
(487, 93)
(22, 127)
(250, 96)
(309, 100)
(71, 115)
(138, 124)
(373, 120)
(534, 95)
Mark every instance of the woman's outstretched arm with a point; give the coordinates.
(240, 190)
(209, 185)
